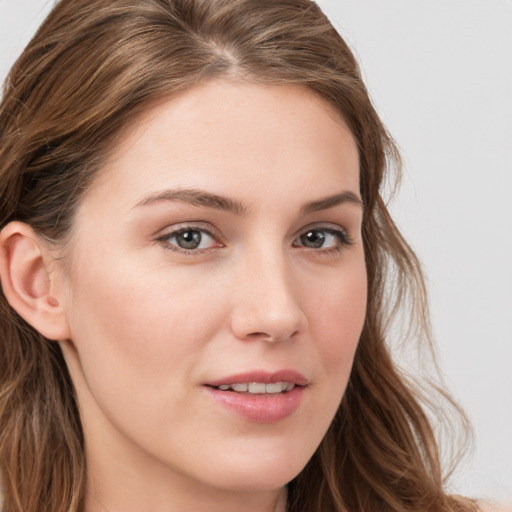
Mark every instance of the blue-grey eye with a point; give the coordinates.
(191, 239)
(322, 239)
(313, 239)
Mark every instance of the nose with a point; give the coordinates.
(267, 303)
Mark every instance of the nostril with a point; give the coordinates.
(259, 335)
(263, 336)
(270, 338)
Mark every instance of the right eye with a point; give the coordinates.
(189, 240)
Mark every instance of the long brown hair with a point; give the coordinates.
(92, 67)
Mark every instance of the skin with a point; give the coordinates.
(149, 323)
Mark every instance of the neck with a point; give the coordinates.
(121, 483)
(115, 495)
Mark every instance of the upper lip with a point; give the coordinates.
(264, 377)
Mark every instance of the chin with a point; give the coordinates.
(258, 472)
(258, 481)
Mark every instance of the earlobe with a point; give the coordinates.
(27, 281)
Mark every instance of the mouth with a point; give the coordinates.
(260, 382)
(257, 388)
(260, 397)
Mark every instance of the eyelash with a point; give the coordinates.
(342, 236)
(164, 239)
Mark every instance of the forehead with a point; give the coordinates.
(222, 134)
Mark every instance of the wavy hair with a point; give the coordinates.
(92, 67)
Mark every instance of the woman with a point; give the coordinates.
(175, 336)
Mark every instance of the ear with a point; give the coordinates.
(28, 283)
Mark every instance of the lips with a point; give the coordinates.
(258, 387)
(287, 376)
(260, 397)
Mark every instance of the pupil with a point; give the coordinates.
(313, 239)
(189, 239)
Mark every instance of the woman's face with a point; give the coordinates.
(216, 289)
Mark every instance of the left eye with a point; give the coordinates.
(323, 239)
(190, 239)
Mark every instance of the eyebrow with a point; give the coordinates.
(197, 197)
(331, 201)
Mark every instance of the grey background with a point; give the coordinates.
(440, 74)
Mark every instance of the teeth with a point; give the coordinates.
(276, 387)
(259, 388)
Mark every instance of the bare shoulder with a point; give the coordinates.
(495, 507)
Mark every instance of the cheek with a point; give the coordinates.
(336, 323)
(338, 318)
(138, 341)
(132, 327)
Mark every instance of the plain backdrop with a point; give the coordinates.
(440, 75)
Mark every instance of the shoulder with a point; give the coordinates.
(495, 507)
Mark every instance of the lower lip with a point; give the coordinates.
(264, 408)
